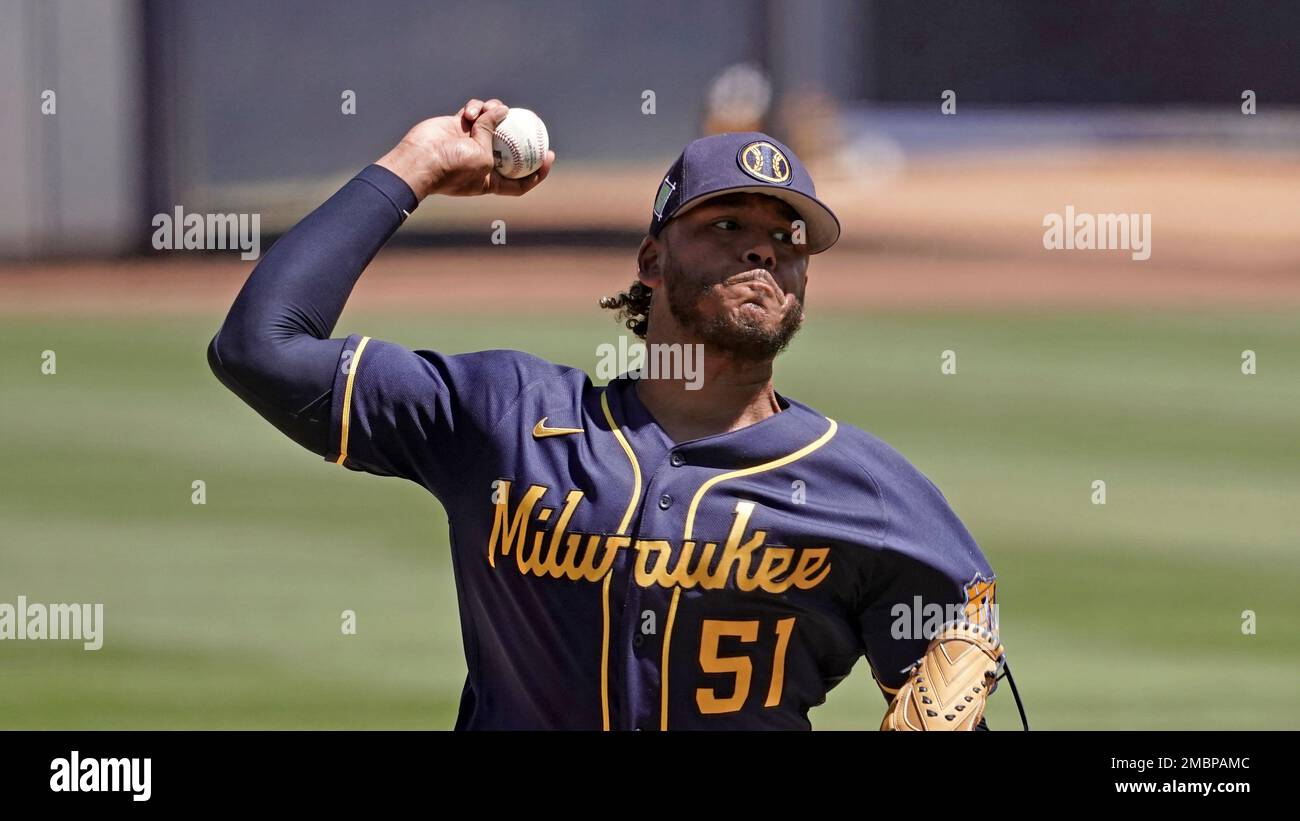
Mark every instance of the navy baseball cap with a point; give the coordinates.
(739, 162)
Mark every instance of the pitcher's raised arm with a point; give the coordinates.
(274, 350)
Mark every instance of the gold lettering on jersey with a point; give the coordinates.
(747, 562)
(512, 532)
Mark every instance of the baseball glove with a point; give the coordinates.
(946, 689)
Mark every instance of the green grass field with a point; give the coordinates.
(226, 615)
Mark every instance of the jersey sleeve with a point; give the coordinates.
(421, 415)
(929, 571)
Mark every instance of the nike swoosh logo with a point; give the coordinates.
(540, 431)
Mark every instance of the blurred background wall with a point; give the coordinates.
(76, 188)
(237, 105)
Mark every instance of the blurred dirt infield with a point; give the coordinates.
(953, 233)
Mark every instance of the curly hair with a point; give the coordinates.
(633, 306)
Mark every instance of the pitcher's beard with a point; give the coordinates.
(734, 334)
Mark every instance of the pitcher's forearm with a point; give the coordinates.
(414, 166)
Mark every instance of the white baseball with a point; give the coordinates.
(519, 144)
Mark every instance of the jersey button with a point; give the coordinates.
(677, 460)
(665, 502)
(638, 640)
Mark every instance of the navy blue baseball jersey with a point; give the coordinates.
(609, 578)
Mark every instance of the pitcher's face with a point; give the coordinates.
(733, 276)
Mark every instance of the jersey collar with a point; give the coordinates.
(774, 437)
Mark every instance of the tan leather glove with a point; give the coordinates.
(948, 686)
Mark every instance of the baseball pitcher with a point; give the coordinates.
(657, 553)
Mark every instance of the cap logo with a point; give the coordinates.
(764, 161)
(666, 189)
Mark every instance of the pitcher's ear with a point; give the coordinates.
(649, 259)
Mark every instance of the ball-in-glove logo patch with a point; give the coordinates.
(764, 161)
